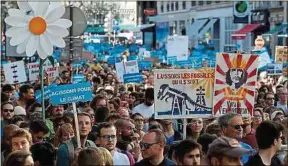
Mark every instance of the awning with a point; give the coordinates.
(193, 30)
(207, 27)
(276, 30)
(241, 34)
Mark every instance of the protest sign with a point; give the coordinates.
(281, 54)
(78, 78)
(274, 68)
(133, 78)
(131, 67)
(71, 93)
(48, 68)
(235, 82)
(47, 93)
(141, 52)
(88, 56)
(120, 70)
(182, 93)
(15, 72)
(177, 46)
(145, 65)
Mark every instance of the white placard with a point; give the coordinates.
(147, 54)
(48, 68)
(15, 72)
(120, 70)
(177, 46)
(131, 67)
(141, 52)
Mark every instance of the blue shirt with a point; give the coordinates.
(245, 158)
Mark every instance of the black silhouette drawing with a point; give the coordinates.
(236, 78)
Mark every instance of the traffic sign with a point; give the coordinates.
(259, 42)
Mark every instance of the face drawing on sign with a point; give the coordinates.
(236, 77)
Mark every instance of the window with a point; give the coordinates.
(184, 5)
(162, 7)
(230, 28)
(201, 3)
(172, 6)
(208, 2)
(168, 7)
(177, 5)
(193, 3)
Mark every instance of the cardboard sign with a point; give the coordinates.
(235, 82)
(15, 72)
(70, 93)
(182, 93)
(78, 78)
(120, 70)
(281, 54)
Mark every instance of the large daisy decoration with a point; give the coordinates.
(37, 26)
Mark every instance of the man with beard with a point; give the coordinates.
(147, 108)
(107, 138)
(54, 112)
(7, 111)
(65, 153)
(125, 131)
(152, 148)
(26, 92)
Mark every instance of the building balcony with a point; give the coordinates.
(268, 4)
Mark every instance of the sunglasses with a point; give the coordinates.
(8, 110)
(108, 137)
(238, 127)
(146, 145)
(270, 98)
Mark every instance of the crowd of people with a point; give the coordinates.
(118, 127)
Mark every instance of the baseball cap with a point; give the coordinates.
(18, 110)
(273, 115)
(227, 146)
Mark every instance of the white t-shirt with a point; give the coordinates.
(146, 111)
(120, 159)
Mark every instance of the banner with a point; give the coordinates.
(182, 93)
(177, 46)
(70, 93)
(281, 54)
(145, 65)
(15, 72)
(78, 78)
(235, 82)
(133, 78)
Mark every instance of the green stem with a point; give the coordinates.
(42, 88)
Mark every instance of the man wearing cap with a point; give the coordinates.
(225, 151)
(20, 111)
(269, 136)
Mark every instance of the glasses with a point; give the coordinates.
(257, 116)
(272, 98)
(8, 110)
(108, 137)
(147, 145)
(237, 127)
(139, 120)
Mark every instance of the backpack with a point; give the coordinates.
(71, 148)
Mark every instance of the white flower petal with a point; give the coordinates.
(41, 53)
(64, 23)
(21, 47)
(16, 31)
(55, 40)
(41, 9)
(46, 45)
(15, 12)
(32, 45)
(24, 6)
(57, 30)
(53, 5)
(55, 14)
(17, 21)
(19, 39)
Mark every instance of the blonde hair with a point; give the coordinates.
(107, 156)
(20, 133)
(67, 127)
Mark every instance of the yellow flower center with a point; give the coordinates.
(37, 25)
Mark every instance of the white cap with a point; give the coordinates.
(273, 115)
(109, 88)
(18, 110)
